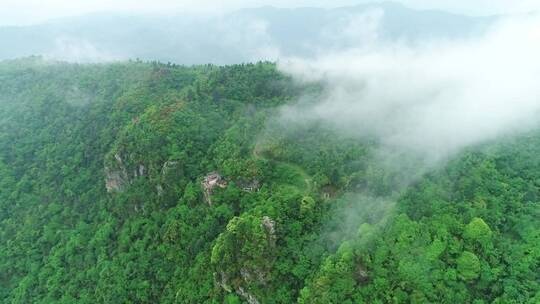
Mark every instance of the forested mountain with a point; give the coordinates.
(143, 182)
(241, 36)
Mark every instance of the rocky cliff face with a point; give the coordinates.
(117, 176)
(248, 276)
(115, 180)
(269, 226)
(210, 182)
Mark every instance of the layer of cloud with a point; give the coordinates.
(434, 99)
(80, 51)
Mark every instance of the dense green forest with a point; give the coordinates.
(145, 182)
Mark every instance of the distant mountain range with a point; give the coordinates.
(244, 35)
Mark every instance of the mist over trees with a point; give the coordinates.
(304, 213)
(389, 156)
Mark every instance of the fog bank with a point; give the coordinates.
(433, 98)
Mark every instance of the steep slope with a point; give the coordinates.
(149, 183)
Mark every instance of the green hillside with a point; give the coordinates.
(143, 182)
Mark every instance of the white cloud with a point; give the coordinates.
(434, 99)
(80, 51)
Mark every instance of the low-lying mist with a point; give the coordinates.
(421, 104)
(432, 99)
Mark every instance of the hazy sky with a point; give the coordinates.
(16, 12)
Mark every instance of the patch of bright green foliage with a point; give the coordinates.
(465, 233)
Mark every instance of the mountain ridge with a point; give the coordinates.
(251, 35)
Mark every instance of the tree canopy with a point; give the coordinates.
(142, 182)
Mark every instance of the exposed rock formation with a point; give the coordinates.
(223, 281)
(254, 274)
(117, 177)
(141, 170)
(115, 180)
(249, 185)
(246, 295)
(210, 182)
(167, 166)
(159, 190)
(361, 274)
(269, 226)
(251, 275)
(118, 158)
